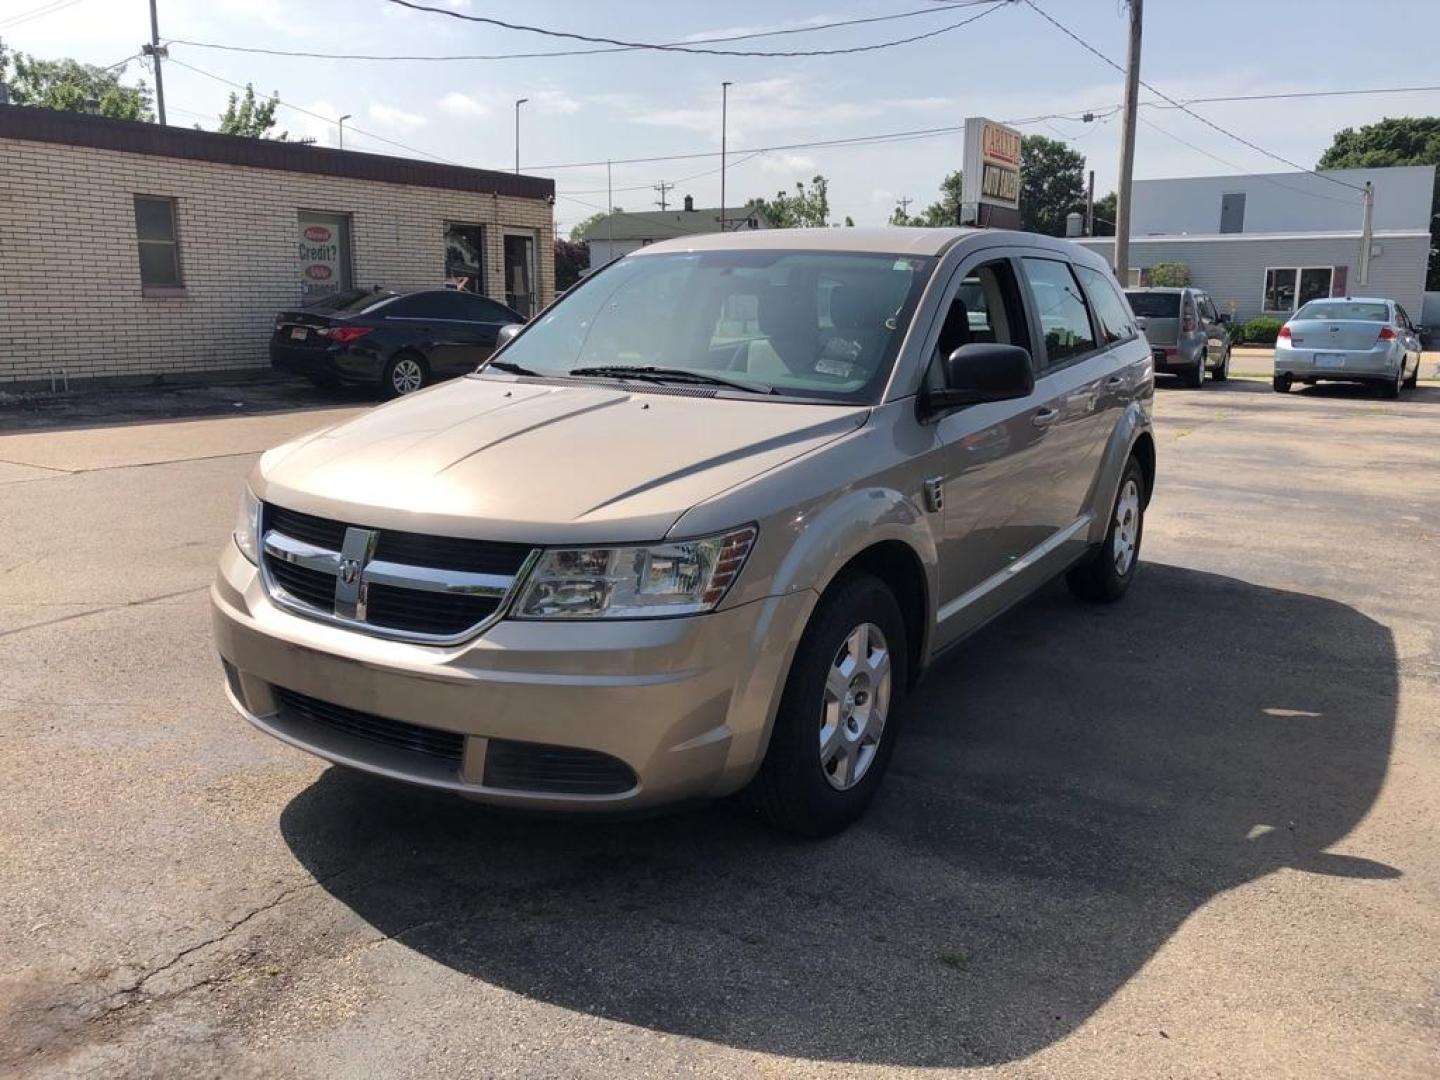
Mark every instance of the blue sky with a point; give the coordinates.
(1009, 65)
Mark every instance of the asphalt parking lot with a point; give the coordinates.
(1189, 835)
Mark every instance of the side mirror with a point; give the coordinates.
(1226, 318)
(508, 331)
(982, 372)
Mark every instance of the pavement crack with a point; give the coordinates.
(103, 610)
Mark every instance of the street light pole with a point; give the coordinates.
(724, 109)
(347, 116)
(518, 103)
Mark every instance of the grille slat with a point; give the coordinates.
(420, 612)
(447, 746)
(568, 770)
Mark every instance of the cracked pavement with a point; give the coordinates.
(1190, 835)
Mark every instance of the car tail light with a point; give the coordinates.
(1284, 332)
(344, 334)
(1187, 324)
(1386, 334)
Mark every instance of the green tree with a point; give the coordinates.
(1052, 184)
(945, 211)
(71, 86)
(804, 209)
(572, 257)
(1403, 140)
(251, 117)
(1170, 275)
(577, 233)
(1105, 214)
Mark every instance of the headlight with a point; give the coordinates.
(635, 582)
(247, 526)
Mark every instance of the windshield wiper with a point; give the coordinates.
(665, 374)
(513, 369)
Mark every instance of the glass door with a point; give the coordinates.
(520, 272)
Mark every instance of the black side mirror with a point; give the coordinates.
(1225, 318)
(982, 372)
(508, 331)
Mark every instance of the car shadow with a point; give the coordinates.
(1073, 784)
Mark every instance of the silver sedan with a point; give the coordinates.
(1349, 339)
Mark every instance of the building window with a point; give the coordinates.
(1288, 287)
(324, 254)
(1138, 278)
(465, 257)
(159, 245)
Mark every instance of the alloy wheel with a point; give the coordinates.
(856, 701)
(1127, 527)
(406, 376)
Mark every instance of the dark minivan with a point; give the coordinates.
(398, 342)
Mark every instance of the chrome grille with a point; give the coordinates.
(388, 582)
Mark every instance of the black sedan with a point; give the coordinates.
(396, 341)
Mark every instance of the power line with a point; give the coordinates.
(814, 28)
(659, 47)
(1295, 94)
(1166, 97)
(38, 12)
(319, 116)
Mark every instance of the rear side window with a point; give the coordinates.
(1116, 322)
(1149, 305)
(427, 305)
(1342, 309)
(479, 309)
(1064, 315)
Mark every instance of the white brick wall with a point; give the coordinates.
(70, 292)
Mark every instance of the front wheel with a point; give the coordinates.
(836, 726)
(1105, 576)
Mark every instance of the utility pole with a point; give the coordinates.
(518, 103)
(609, 215)
(156, 52)
(662, 187)
(724, 119)
(1127, 146)
(904, 203)
(1090, 205)
(1367, 233)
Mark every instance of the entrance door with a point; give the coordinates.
(520, 272)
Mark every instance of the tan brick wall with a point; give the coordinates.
(70, 292)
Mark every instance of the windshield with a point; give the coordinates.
(1344, 309)
(801, 323)
(1155, 305)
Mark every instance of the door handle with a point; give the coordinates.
(1045, 417)
(1114, 380)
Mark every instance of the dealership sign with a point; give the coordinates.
(991, 192)
(320, 258)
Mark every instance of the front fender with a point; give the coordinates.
(1133, 425)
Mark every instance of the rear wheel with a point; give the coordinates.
(1282, 383)
(404, 374)
(836, 726)
(1195, 377)
(1223, 371)
(1105, 576)
(1414, 380)
(1391, 390)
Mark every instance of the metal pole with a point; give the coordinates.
(347, 116)
(609, 216)
(1127, 146)
(1090, 205)
(155, 54)
(1367, 233)
(518, 103)
(724, 120)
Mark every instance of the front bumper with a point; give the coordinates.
(685, 704)
(1373, 365)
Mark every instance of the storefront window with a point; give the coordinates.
(325, 267)
(1287, 287)
(465, 257)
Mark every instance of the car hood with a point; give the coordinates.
(541, 463)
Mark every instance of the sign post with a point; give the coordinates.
(990, 196)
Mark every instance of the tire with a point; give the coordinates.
(404, 373)
(1105, 576)
(798, 789)
(1195, 378)
(1282, 383)
(1222, 373)
(1414, 380)
(1391, 390)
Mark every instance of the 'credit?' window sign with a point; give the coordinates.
(324, 255)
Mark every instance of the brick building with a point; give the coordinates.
(130, 250)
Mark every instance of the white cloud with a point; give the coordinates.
(324, 131)
(788, 164)
(393, 117)
(777, 104)
(463, 105)
(737, 31)
(554, 101)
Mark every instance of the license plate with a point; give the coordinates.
(1329, 360)
(299, 333)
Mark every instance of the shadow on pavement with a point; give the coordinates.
(1072, 786)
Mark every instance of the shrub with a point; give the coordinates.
(1261, 330)
(1170, 275)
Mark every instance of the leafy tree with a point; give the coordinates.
(1052, 184)
(572, 257)
(249, 117)
(71, 86)
(1170, 275)
(945, 211)
(1105, 212)
(577, 233)
(805, 209)
(1404, 140)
